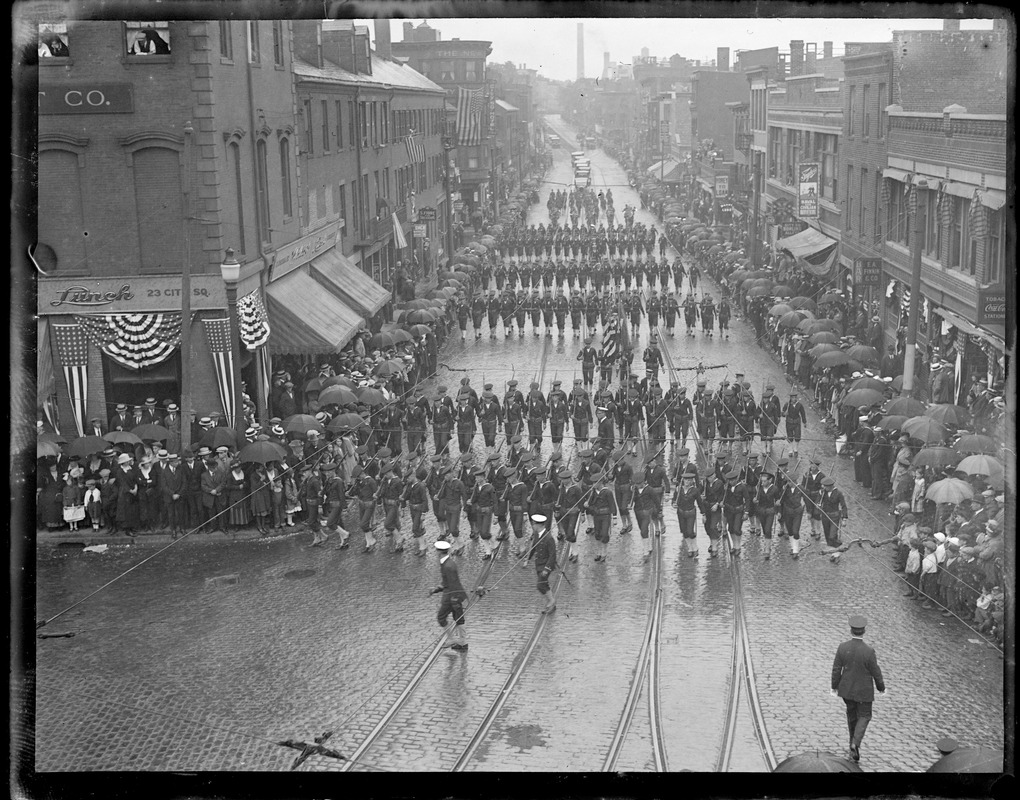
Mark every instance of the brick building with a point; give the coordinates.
(220, 124)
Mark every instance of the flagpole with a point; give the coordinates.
(186, 409)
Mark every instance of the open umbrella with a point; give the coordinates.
(817, 761)
(83, 446)
(948, 414)
(949, 491)
(907, 406)
(821, 349)
(370, 396)
(976, 443)
(782, 291)
(936, 456)
(924, 429)
(970, 759)
(342, 422)
(316, 384)
(262, 453)
(151, 432)
(389, 368)
(122, 437)
(823, 337)
(893, 422)
(803, 302)
(444, 292)
(868, 383)
(337, 395)
(779, 309)
(381, 340)
(420, 330)
(412, 305)
(338, 380)
(759, 291)
(45, 447)
(791, 319)
(444, 276)
(834, 359)
(862, 397)
(830, 297)
(421, 316)
(47, 436)
(302, 423)
(219, 437)
(897, 383)
(400, 335)
(981, 464)
(863, 353)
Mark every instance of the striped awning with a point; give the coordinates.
(306, 318)
(349, 283)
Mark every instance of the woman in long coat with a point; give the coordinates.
(128, 518)
(237, 489)
(49, 494)
(148, 494)
(261, 498)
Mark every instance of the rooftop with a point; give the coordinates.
(385, 74)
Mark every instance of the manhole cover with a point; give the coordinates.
(299, 574)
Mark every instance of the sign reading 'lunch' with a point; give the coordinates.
(128, 295)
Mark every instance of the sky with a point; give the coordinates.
(550, 44)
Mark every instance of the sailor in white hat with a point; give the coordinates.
(454, 597)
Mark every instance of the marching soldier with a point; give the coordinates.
(736, 504)
(791, 507)
(658, 411)
(391, 490)
(516, 497)
(811, 484)
(724, 317)
(658, 480)
(547, 304)
(708, 311)
(544, 552)
(544, 493)
(687, 499)
(711, 509)
(454, 597)
(622, 474)
(560, 307)
(463, 311)
(533, 305)
(451, 495)
(478, 307)
(690, 307)
(705, 411)
(588, 356)
(633, 410)
(568, 509)
(766, 503)
(442, 421)
(576, 310)
(537, 412)
(365, 489)
(482, 503)
(796, 417)
(559, 413)
(415, 497)
(746, 413)
(579, 407)
(769, 413)
(490, 414)
(493, 307)
(833, 510)
(602, 508)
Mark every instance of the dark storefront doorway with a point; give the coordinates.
(132, 386)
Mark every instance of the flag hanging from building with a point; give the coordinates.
(217, 331)
(133, 340)
(252, 319)
(470, 106)
(399, 240)
(978, 221)
(490, 128)
(415, 148)
(73, 352)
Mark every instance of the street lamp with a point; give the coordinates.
(230, 271)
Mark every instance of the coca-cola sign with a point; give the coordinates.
(991, 306)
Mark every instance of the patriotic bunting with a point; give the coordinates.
(946, 209)
(885, 192)
(415, 148)
(133, 340)
(73, 352)
(978, 218)
(217, 331)
(253, 321)
(470, 105)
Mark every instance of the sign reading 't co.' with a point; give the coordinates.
(86, 98)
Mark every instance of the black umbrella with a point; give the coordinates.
(817, 761)
(970, 759)
(262, 452)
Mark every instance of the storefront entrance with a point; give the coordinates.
(132, 386)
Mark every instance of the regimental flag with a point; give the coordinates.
(217, 331)
(73, 352)
(133, 340)
(470, 106)
(254, 324)
(415, 148)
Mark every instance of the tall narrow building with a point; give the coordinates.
(580, 51)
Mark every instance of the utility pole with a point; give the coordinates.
(186, 294)
(915, 293)
(447, 149)
(756, 205)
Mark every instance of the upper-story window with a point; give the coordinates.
(254, 48)
(226, 42)
(53, 41)
(278, 43)
(446, 71)
(471, 71)
(147, 38)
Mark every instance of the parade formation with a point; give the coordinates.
(706, 458)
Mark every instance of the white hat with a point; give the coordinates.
(936, 365)
(538, 518)
(999, 498)
(954, 540)
(442, 545)
(940, 537)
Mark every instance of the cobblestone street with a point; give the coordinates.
(171, 670)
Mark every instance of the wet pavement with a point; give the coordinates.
(204, 657)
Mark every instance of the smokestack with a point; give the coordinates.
(810, 58)
(796, 57)
(382, 38)
(408, 31)
(722, 59)
(951, 25)
(580, 51)
(826, 50)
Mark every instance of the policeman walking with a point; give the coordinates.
(855, 676)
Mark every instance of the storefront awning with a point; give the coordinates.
(969, 328)
(348, 282)
(707, 185)
(664, 168)
(813, 250)
(993, 199)
(897, 174)
(307, 319)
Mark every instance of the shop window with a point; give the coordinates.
(53, 41)
(147, 38)
(133, 386)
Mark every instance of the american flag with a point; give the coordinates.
(254, 324)
(73, 352)
(133, 340)
(470, 104)
(415, 148)
(217, 331)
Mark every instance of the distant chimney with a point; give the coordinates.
(722, 59)
(382, 38)
(826, 50)
(408, 31)
(951, 25)
(644, 52)
(796, 57)
(810, 58)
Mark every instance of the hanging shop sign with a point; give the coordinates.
(991, 306)
(426, 215)
(868, 272)
(419, 231)
(129, 294)
(722, 185)
(299, 252)
(807, 189)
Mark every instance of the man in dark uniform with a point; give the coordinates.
(490, 414)
(533, 305)
(559, 413)
(560, 307)
(796, 418)
(334, 503)
(602, 507)
(711, 509)
(537, 412)
(736, 504)
(687, 498)
(622, 475)
(579, 408)
(855, 677)
(416, 498)
(454, 597)
(833, 511)
(576, 310)
(516, 497)
(478, 308)
(365, 488)
(658, 481)
(862, 441)
(811, 484)
(543, 550)
(482, 503)
(391, 488)
(442, 421)
(492, 309)
(452, 495)
(769, 413)
(588, 356)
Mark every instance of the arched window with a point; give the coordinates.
(285, 188)
(262, 187)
